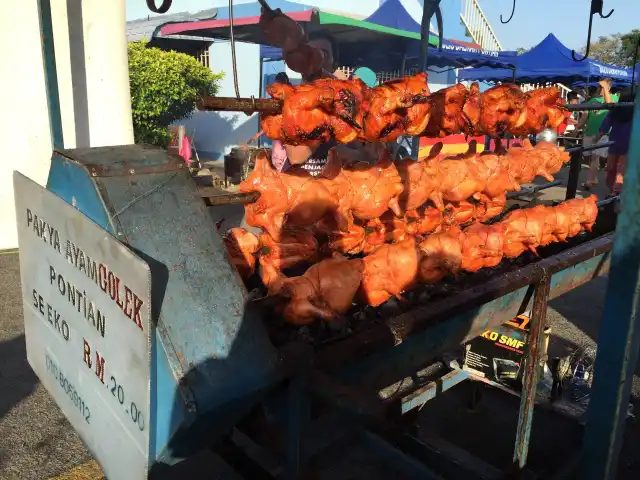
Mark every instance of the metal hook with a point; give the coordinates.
(596, 7)
(163, 8)
(513, 10)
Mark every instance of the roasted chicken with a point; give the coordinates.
(482, 246)
(485, 177)
(396, 107)
(362, 206)
(389, 271)
(329, 287)
(346, 110)
(281, 31)
(317, 111)
(324, 292)
(293, 198)
(243, 247)
(362, 191)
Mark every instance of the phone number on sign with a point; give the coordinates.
(68, 388)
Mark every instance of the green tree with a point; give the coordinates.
(164, 89)
(628, 43)
(606, 49)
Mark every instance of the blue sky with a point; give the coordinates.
(532, 21)
(566, 19)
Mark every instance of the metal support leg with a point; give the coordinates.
(574, 175)
(619, 336)
(532, 370)
(298, 417)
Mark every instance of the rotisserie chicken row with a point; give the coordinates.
(347, 109)
(329, 287)
(342, 201)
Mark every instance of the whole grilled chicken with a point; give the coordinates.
(242, 246)
(317, 111)
(281, 30)
(418, 180)
(284, 32)
(441, 255)
(389, 271)
(542, 110)
(446, 112)
(496, 110)
(293, 248)
(396, 107)
(484, 246)
(292, 197)
(362, 191)
(324, 292)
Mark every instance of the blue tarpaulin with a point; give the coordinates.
(550, 61)
(393, 14)
(453, 54)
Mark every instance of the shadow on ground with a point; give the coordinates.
(17, 380)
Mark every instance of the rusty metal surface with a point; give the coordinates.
(230, 104)
(124, 160)
(229, 199)
(422, 333)
(534, 352)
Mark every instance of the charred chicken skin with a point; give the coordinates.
(317, 111)
(406, 106)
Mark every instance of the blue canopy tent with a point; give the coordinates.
(404, 50)
(454, 53)
(550, 61)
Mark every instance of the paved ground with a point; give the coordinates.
(36, 442)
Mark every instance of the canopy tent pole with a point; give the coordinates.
(430, 6)
(50, 73)
(633, 72)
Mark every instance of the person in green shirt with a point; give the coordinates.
(591, 122)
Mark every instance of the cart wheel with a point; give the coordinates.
(476, 396)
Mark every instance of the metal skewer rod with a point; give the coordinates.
(230, 104)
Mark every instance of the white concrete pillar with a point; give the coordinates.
(100, 72)
(93, 79)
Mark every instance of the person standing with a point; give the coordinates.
(315, 154)
(591, 123)
(619, 122)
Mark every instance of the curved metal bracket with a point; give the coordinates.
(607, 15)
(596, 7)
(439, 22)
(163, 8)
(513, 10)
